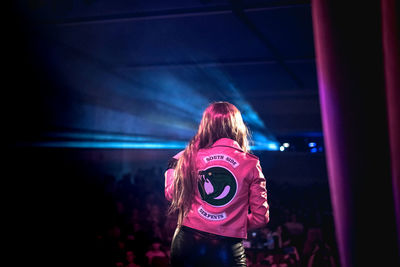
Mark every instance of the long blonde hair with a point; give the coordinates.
(220, 120)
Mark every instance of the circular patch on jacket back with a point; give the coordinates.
(217, 186)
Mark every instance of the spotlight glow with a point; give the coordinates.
(286, 145)
(149, 108)
(312, 144)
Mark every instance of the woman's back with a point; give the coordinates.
(229, 180)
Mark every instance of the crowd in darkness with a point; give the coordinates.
(136, 230)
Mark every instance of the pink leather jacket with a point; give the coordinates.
(231, 182)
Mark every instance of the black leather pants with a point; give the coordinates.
(193, 248)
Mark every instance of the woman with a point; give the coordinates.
(212, 185)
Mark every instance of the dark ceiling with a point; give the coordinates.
(140, 67)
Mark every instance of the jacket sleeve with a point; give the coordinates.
(169, 176)
(258, 203)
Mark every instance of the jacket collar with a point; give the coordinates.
(227, 142)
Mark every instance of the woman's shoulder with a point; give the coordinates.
(252, 155)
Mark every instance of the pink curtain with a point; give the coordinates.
(391, 53)
(357, 54)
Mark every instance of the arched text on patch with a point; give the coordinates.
(211, 216)
(222, 157)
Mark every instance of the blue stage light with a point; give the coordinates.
(272, 146)
(110, 145)
(132, 145)
(312, 144)
(154, 109)
(100, 136)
